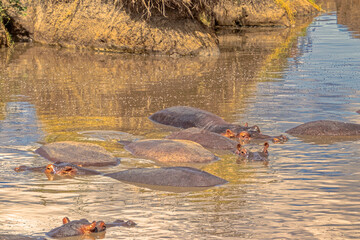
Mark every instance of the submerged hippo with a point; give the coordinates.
(167, 150)
(245, 136)
(84, 154)
(169, 176)
(187, 117)
(326, 128)
(59, 169)
(247, 155)
(84, 227)
(205, 138)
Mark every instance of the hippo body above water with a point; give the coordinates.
(84, 227)
(84, 154)
(167, 150)
(169, 176)
(187, 117)
(205, 138)
(326, 128)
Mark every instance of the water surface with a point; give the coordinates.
(276, 79)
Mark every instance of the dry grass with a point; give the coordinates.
(148, 7)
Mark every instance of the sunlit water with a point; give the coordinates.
(310, 190)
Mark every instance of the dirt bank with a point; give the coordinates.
(261, 12)
(113, 26)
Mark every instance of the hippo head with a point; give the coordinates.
(243, 136)
(61, 169)
(242, 152)
(246, 154)
(229, 134)
(21, 168)
(77, 228)
(279, 139)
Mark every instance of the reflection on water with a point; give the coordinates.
(348, 13)
(276, 79)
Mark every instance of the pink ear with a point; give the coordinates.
(66, 220)
(246, 124)
(266, 146)
(238, 146)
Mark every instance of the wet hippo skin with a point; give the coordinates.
(205, 138)
(59, 168)
(167, 150)
(247, 155)
(84, 227)
(68, 169)
(326, 128)
(187, 117)
(169, 176)
(254, 136)
(84, 154)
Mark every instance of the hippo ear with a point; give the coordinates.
(266, 146)
(66, 220)
(49, 168)
(238, 146)
(246, 125)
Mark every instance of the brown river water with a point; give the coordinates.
(275, 78)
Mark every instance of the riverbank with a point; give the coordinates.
(185, 28)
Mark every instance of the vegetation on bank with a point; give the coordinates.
(5, 6)
(200, 9)
(287, 5)
(147, 7)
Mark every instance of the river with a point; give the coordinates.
(275, 78)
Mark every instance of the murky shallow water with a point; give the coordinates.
(277, 80)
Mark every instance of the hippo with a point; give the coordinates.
(169, 150)
(19, 237)
(187, 117)
(169, 176)
(326, 128)
(84, 154)
(109, 135)
(245, 136)
(84, 227)
(246, 155)
(205, 138)
(358, 111)
(59, 169)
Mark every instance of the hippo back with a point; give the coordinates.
(205, 138)
(169, 176)
(68, 230)
(166, 150)
(326, 128)
(85, 154)
(186, 117)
